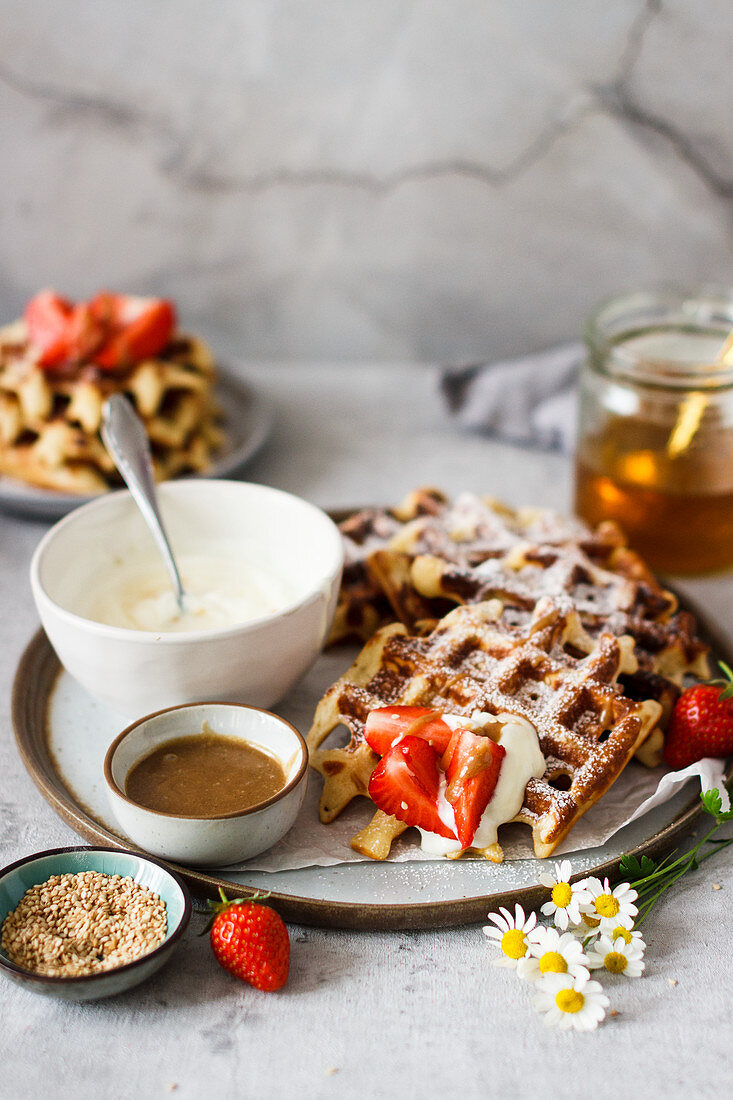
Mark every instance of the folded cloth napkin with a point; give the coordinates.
(530, 401)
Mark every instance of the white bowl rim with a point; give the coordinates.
(179, 637)
(172, 937)
(289, 786)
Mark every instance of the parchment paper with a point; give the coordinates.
(637, 791)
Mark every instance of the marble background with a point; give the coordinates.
(335, 179)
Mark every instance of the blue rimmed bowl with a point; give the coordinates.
(18, 877)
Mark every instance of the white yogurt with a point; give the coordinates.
(523, 761)
(221, 591)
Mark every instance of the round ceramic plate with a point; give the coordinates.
(63, 735)
(247, 424)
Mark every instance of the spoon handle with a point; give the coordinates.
(126, 440)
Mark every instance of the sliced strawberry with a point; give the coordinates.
(472, 775)
(47, 316)
(107, 309)
(111, 330)
(385, 724)
(405, 784)
(86, 332)
(141, 327)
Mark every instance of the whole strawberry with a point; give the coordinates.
(701, 723)
(250, 940)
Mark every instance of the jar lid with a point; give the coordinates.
(668, 338)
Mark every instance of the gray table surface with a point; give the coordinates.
(418, 1014)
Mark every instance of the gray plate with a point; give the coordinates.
(356, 895)
(247, 423)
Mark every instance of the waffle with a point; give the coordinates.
(546, 669)
(49, 420)
(363, 605)
(477, 549)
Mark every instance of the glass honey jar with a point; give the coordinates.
(655, 444)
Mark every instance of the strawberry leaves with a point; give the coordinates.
(217, 907)
(727, 683)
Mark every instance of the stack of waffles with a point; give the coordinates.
(472, 606)
(50, 420)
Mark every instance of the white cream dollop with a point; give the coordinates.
(221, 591)
(523, 761)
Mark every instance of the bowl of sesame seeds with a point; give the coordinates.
(83, 923)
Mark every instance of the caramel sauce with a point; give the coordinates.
(677, 511)
(475, 762)
(204, 775)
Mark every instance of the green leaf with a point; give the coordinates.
(629, 865)
(712, 801)
(727, 692)
(636, 871)
(217, 907)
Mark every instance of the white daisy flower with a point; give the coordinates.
(613, 907)
(552, 952)
(570, 1002)
(566, 898)
(618, 954)
(510, 934)
(627, 935)
(589, 926)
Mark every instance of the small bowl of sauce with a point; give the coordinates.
(207, 784)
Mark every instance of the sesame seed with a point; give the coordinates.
(78, 924)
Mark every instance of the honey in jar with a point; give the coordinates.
(655, 448)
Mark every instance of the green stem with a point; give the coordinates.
(662, 871)
(722, 843)
(650, 901)
(651, 888)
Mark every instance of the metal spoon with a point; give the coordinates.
(127, 441)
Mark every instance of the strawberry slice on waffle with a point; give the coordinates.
(417, 745)
(386, 725)
(406, 782)
(472, 773)
(112, 331)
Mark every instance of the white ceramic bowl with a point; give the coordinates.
(208, 842)
(137, 671)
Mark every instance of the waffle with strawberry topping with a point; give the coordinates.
(546, 671)
(476, 549)
(61, 361)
